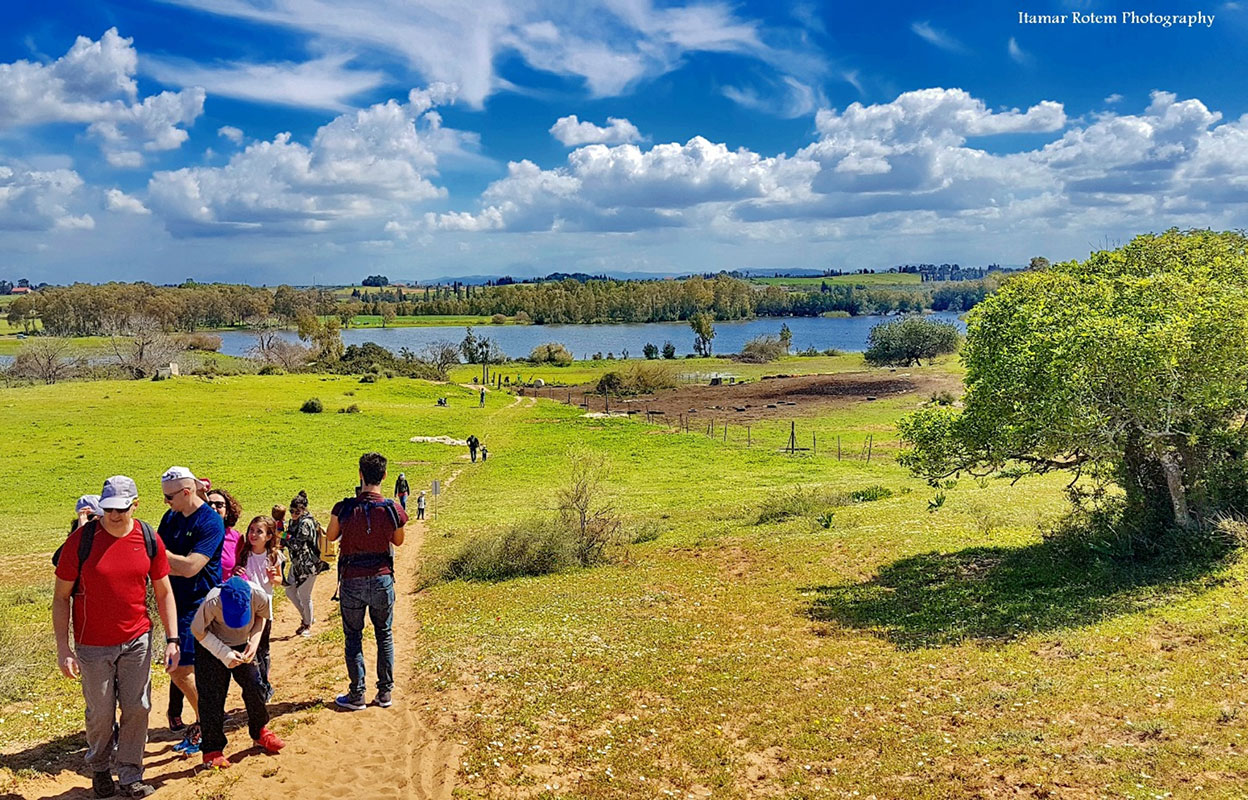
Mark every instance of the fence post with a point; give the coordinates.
(747, 435)
(838, 447)
(813, 448)
(870, 442)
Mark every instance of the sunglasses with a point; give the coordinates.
(217, 503)
(169, 497)
(125, 510)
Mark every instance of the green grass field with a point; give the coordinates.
(892, 651)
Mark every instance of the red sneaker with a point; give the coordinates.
(216, 760)
(270, 742)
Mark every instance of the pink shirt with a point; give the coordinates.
(229, 553)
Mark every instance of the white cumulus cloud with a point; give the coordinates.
(117, 200)
(40, 200)
(93, 84)
(571, 132)
(235, 135)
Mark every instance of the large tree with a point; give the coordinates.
(1131, 367)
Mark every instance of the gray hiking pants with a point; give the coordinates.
(114, 676)
(301, 595)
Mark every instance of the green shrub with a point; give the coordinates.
(312, 406)
(870, 494)
(799, 501)
(498, 319)
(535, 546)
(552, 353)
(637, 377)
(369, 378)
(762, 349)
(351, 409)
(271, 369)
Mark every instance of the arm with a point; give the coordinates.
(169, 618)
(398, 536)
(187, 566)
(60, 625)
(213, 643)
(332, 532)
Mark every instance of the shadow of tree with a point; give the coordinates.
(997, 593)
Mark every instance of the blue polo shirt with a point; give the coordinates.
(201, 532)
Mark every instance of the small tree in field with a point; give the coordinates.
(703, 325)
(650, 351)
(1130, 368)
(669, 350)
(906, 342)
(583, 506)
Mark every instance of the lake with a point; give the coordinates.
(517, 341)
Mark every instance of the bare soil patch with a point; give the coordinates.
(771, 397)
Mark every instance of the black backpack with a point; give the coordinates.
(88, 538)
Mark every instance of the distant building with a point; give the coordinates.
(20, 290)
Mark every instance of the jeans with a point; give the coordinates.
(114, 676)
(213, 681)
(301, 595)
(420, 512)
(403, 500)
(263, 658)
(376, 595)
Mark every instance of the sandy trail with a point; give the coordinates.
(377, 752)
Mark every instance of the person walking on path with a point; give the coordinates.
(420, 505)
(370, 526)
(473, 444)
(304, 552)
(485, 453)
(402, 490)
(228, 628)
(260, 562)
(482, 405)
(193, 535)
(103, 574)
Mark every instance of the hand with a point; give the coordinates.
(173, 654)
(235, 660)
(250, 652)
(275, 574)
(68, 665)
(239, 572)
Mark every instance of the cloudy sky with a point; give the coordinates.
(277, 141)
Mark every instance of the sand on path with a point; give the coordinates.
(378, 752)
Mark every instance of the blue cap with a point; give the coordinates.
(236, 602)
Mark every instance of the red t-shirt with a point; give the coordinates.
(110, 606)
(367, 532)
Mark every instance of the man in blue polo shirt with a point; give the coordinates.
(193, 535)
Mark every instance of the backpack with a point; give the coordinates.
(87, 539)
(349, 506)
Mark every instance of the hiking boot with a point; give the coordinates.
(352, 701)
(383, 699)
(176, 725)
(216, 760)
(102, 783)
(270, 742)
(137, 789)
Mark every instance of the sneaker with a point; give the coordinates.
(176, 725)
(270, 742)
(354, 701)
(306, 632)
(137, 789)
(102, 783)
(299, 631)
(189, 745)
(383, 699)
(216, 760)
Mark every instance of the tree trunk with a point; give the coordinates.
(1174, 484)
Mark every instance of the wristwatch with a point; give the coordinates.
(172, 640)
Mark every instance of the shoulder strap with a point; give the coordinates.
(149, 539)
(85, 541)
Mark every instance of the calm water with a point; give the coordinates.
(517, 341)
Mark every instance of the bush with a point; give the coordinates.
(351, 409)
(650, 351)
(871, 494)
(762, 349)
(536, 546)
(312, 406)
(636, 378)
(498, 319)
(271, 369)
(669, 350)
(523, 318)
(799, 502)
(369, 378)
(552, 353)
(208, 342)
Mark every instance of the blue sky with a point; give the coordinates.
(275, 141)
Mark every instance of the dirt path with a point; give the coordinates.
(377, 752)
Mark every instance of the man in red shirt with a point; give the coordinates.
(370, 526)
(113, 633)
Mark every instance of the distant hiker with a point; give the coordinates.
(420, 505)
(485, 453)
(304, 552)
(442, 402)
(103, 573)
(370, 526)
(473, 444)
(260, 561)
(482, 399)
(228, 628)
(86, 509)
(401, 490)
(193, 535)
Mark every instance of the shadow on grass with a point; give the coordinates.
(990, 594)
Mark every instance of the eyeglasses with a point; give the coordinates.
(217, 503)
(169, 497)
(119, 511)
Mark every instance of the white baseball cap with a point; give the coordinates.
(119, 492)
(177, 474)
(89, 502)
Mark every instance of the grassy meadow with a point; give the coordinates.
(850, 649)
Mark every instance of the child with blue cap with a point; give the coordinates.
(228, 627)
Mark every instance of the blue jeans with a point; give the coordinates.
(376, 595)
